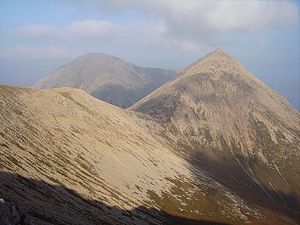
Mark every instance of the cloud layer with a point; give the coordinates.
(204, 20)
(77, 30)
(34, 52)
(192, 25)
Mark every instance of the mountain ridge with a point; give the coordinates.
(220, 109)
(108, 78)
(106, 153)
(212, 145)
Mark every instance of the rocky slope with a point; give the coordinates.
(231, 124)
(108, 78)
(214, 146)
(79, 161)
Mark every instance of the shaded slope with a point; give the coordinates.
(109, 156)
(218, 111)
(108, 78)
(68, 207)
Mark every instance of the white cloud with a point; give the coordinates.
(92, 29)
(35, 52)
(188, 25)
(148, 34)
(204, 20)
(252, 15)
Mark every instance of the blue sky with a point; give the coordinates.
(39, 36)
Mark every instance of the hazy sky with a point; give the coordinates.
(36, 37)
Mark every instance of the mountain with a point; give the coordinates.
(79, 161)
(214, 146)
(232, 125)
(108, 78)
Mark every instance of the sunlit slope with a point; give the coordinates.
(69, 158)
(238, 128)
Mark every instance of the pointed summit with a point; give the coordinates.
(202, 78)
(214, 63)
(218, 107)
(217, 51)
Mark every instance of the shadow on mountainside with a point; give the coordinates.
(231, 175)
(46, 204)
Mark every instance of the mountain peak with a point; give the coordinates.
(215, 63)
(218, 50)
(219, 53)
(108, 78)
(215, 79)
(222, 111)
(97, 56)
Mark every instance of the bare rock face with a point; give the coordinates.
(107, 78)
(232, 123)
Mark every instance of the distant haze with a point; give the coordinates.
(108, 78)
(263, 35)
